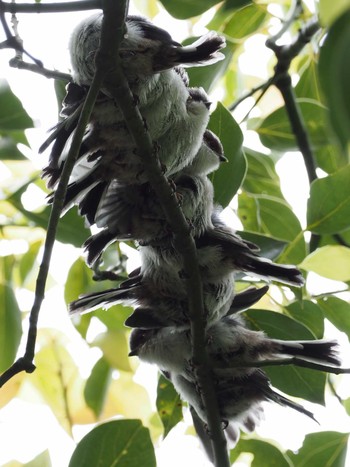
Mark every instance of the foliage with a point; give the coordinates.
(250, 178)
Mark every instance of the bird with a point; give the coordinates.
(230, 344)
(145, 49)
(234, 353)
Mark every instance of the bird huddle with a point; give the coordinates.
(110, 187)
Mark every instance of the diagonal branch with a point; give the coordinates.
(53, 7)
(184, 243)
(25, 363)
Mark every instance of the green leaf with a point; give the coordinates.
(229, 177)
(120, 443)
(71, 228)
(183, 9)
(327, 448)
(169, 404)
(28, 261)
(337, 311)
(329, 261)
(41, 460)
(274, 218)
(329, 10)
(12, 114)
(223, 13)
(244, 22)
(9, 150)
(309, 85)
(269, 247)
(293, 380)
(97, 385)
(261, 177)
(276, 133)
(56, 377)
(328, 209)
(114, 317)
(334, 71)
(309, 314)
(10, 326)
(114, 346)
(265, 454)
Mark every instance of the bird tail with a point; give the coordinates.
(96, 300)
(284, 273)
(244, 300)
(276, 397)
(320, 351)
(205, 50)
(96, 244)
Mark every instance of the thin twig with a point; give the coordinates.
(21, 65)
(54, 7)
(25, 363)
(282, 80)
(261, 87)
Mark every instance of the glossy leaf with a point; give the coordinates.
(269, 247)
(56, 377)
(183, 9)
(337, 311)
(169, 404)
(245, 21)
(114, 346)
(327, 448)
(273, 217)
(229, 177)
(329, 261)
(293, 380)
(265, 454)
(329, 203)
(128, 399)
(276, 133)
(120, 443)
(224, 13)
(10, 326)
(329, 11)
(97, 385)
(261, 177)
(41, 460)
(9, 150)
(28, 260)
(12, 114)
(334, 71)
(309, 314)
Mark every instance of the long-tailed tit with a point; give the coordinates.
(133, 212)
(231, 347)
(144, 51)
(151, 316)
(240, 387)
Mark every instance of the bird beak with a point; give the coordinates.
(133, 353)
(207, 104)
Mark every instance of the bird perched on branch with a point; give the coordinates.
(145, 50)
(234, 352)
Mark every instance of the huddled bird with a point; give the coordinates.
(110, 186)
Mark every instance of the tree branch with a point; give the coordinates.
(54, 7)
(34, 68)
(25, 363)
(118, 87)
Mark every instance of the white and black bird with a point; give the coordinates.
(233, 351)
(145, 50)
